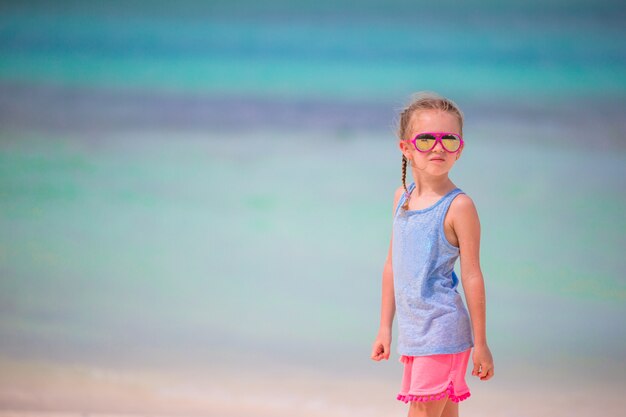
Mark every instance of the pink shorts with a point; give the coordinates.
(434, 377)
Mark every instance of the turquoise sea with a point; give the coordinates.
(196, 200)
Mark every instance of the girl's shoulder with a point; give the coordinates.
(462, 208)
(396, 197)
(462, 200)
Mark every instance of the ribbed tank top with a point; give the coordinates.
(432, 318)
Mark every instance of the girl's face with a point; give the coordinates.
(437, 161)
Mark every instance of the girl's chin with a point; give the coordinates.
(434, 169)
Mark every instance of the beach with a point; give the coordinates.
(195, 210)
(49, 390)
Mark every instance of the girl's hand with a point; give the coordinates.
(483, 362)
(380, 349)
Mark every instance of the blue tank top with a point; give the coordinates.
(432, 318)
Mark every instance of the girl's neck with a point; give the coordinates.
(426, 185)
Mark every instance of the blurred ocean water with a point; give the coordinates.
(471, 49)
(210, 188)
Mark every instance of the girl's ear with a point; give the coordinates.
(404, 149)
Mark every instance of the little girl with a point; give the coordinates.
(434, 222)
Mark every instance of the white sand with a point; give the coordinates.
(29, 389)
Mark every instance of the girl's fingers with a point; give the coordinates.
(475, 370)
(380, 351)
(377, 352)
(489, 375)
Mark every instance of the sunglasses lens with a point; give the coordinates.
(451, 142)
(424, 142)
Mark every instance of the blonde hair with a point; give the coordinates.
(423, 100)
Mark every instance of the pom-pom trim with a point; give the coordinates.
(449, 391)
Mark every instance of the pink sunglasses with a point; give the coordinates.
(426, 141)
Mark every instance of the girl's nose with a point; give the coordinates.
(438, 146)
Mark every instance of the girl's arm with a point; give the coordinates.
(467, 228)
(381, 348)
